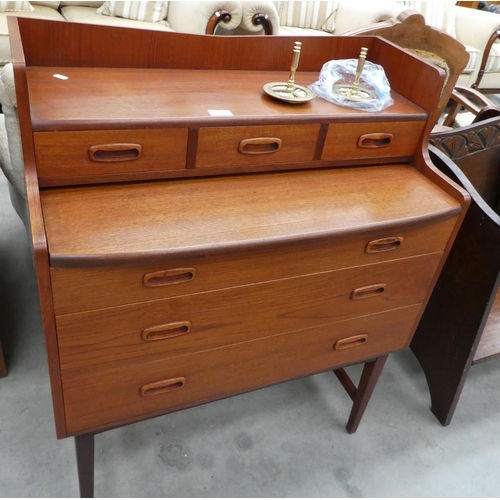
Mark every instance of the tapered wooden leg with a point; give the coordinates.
(85, 461)
(362, 394)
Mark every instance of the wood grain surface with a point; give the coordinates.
(229, 316)
(105, 224)
(83, 289)
(111, 395)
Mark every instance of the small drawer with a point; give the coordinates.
(372, 140)
(120, 393)
(183, 325)
(88, 153)
(235, 146)
(83, 289)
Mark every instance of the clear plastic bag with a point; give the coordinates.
(342, 73)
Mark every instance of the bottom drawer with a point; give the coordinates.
(118, 394)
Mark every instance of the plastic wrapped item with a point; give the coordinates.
(336, 80)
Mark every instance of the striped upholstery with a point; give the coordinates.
(493, 62)
(474, 56)
(151, 12)
(316, 15)
(16, 7)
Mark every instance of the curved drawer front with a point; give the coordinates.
(259, 145)
(191, 323)
(89, 153)
(92, 288)
(372, 140)
(117, 394)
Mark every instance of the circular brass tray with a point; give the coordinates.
(350, 93)
(296, 95)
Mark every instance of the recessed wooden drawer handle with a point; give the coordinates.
(349, 342)
(384, 244)
(162, 386)
(168, 277)
(259, 145)
(367, 292)
(375, 140)
(115, 152)
(167, 331)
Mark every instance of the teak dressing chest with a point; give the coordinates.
(195, 239)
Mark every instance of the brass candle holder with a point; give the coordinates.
(353, 91)
(290, 91)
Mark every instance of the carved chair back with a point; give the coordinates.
(475, 150)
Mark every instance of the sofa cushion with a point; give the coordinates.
(493, 61)
(54, 4)
(88, 15)
(308, 14)
(150, 12)
(292, 31)
(474, 56)
(82, 3)
(16, 7)
(12, 157)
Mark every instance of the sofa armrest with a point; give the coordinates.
(478, 29)
(353, 15)
(260, 16)
(474, 27)
(204, 17)
(12, 153)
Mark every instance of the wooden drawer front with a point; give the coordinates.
(82, 153)
(209, 320)
(233, 146)
(112, 395)
(83, 289)
(372, 140)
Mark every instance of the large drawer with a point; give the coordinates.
(82, 289)
(233, 146)
(209, 320)
(372, 140)
(116, 394)
(89, 153)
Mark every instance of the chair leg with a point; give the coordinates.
(84, 445)
(362, 394)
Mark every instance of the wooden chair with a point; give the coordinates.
(409, 31)
(473, 102)
(461, 324)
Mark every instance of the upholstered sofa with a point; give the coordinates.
(202, 17)
(475, 29)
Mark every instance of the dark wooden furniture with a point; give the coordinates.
(461, 325)
(3, 368)
(196, 239)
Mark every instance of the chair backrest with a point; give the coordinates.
(475, 151)
(410, 32)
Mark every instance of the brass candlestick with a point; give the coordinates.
(353, 91)
(290, 91)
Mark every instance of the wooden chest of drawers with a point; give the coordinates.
(184, 255)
